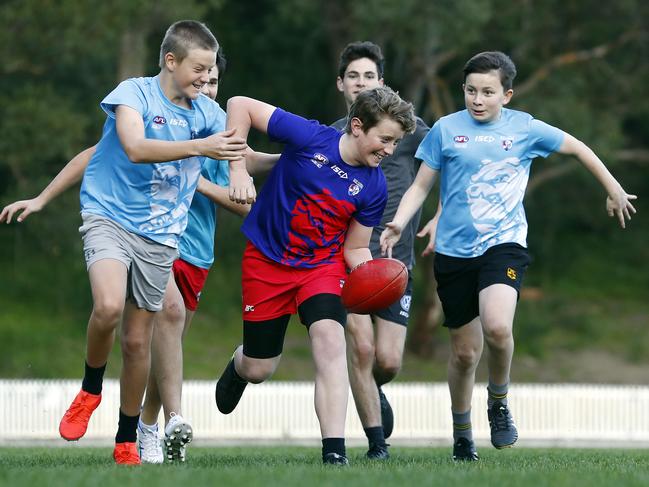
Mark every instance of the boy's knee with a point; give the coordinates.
(388, 365)
(135, 347)
(363, 352)
(107, 312)
(256, 371)
(465, 357)
(498, 334)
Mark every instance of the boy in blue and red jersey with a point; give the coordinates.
(313, 219)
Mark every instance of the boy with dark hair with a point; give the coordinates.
(484, 154)
(376, 343)
(135, 195)
(313, 219)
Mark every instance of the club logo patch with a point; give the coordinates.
(405, 302)
(511, 273)
(507, 143)
(355, 188)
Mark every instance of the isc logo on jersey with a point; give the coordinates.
(340, 172)
(319, 160)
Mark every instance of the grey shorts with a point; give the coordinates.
(148, 262)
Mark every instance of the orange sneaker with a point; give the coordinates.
(126, 454)
(75, 420)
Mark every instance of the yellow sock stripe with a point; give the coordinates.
(462, 427)
(497, 396)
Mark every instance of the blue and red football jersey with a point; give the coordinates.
(303, 211)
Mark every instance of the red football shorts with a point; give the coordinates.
(190, 281)
(271, 290)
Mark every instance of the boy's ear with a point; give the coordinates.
(356, 125)
(339, 84)
(170, 61)
(508, 96)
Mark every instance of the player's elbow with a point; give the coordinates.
(134, 152)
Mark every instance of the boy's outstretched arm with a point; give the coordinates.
(71, 174)
(244, 113)
(618, 201)
(220, 195)
(139, 149)
(357, 241)
(410, 203)
(260, 162)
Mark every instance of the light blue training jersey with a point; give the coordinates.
(197, 243)
(484, 170)
(148, 199)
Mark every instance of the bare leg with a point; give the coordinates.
(165, 381)
(389, 343)
(497, 308)
(137, 329)
(108, 284)
(360, 345)
(331, 381)
(466, 349)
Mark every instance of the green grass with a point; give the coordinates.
(299, 466)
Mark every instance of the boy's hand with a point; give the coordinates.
(225, 145)
(429, 229)
(617, 204)
(389, 238)
(25, 207)
(242, 188)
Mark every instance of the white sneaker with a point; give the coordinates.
(178, 433)
(148, 443)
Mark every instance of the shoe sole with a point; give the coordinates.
(181, 436)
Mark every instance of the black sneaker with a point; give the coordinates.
(335, 459)
(387, 416)
(464, 451)
(378, 451)
(503, 431)
(229, 389)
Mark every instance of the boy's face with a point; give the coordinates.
(484, 96)
(378, 142)
(190, 75)
(360, 75)
(211, 88)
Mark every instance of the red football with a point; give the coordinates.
(374, 285)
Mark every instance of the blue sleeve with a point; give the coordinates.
(127, 93)
(370, 215)
(430, 149)
(291, 129)
(544, 139)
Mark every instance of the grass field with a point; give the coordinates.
(300, 466)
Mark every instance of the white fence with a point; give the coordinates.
(282, 412)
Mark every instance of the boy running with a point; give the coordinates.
(314, 218)
(484, 154)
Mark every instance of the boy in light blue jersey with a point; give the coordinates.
(196, 248)
(484, 155)
(133, 214)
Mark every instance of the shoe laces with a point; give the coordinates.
(148, 439)
(78, 413)
(126, 454)
(501, 419)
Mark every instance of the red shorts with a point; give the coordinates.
(271, 290)
(190, 280)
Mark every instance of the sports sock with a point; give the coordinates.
(93, 379)
(150, 427)
(127, 429)
(375, 435)
(333, 445)
(497, 393)
(462, 425)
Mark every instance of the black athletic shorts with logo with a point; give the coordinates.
(460, 280)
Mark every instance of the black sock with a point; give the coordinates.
(375, 435)
(234, 372)
(127, 429)
(333, 445)
(93, 379)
